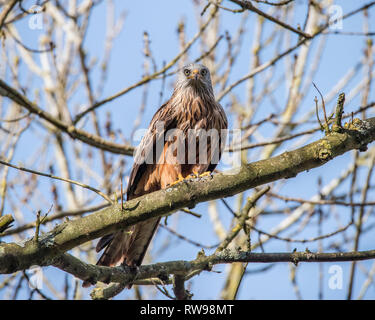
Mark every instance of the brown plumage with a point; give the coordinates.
(179, 123)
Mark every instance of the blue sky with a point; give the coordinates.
(160, 21)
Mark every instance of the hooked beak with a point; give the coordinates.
(194, 74)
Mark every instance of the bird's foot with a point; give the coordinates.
(195, 174)
(180, 179)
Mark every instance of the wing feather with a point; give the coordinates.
(146, 151)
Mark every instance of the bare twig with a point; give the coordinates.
(6, 10)
(249, 6)
(326, 126)
(242, 218)
(58, 178)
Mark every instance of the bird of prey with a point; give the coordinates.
(181, 141)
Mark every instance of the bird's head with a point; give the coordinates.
(196, 76)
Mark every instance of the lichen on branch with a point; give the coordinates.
(14, 257)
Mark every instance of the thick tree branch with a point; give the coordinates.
(71, 130)
(126, 275)
(14, 257)
(5, 222)
(179, 288)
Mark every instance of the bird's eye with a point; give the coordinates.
(203, 72)
(187, 72)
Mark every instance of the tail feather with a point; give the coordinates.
(140, 240)
(128, 246)
(114, 250)
(103, 242)
(113, 253)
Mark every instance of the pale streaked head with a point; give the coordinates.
(196, 76)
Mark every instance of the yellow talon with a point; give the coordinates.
(204, 174)
(195, 174)
(180, 179)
